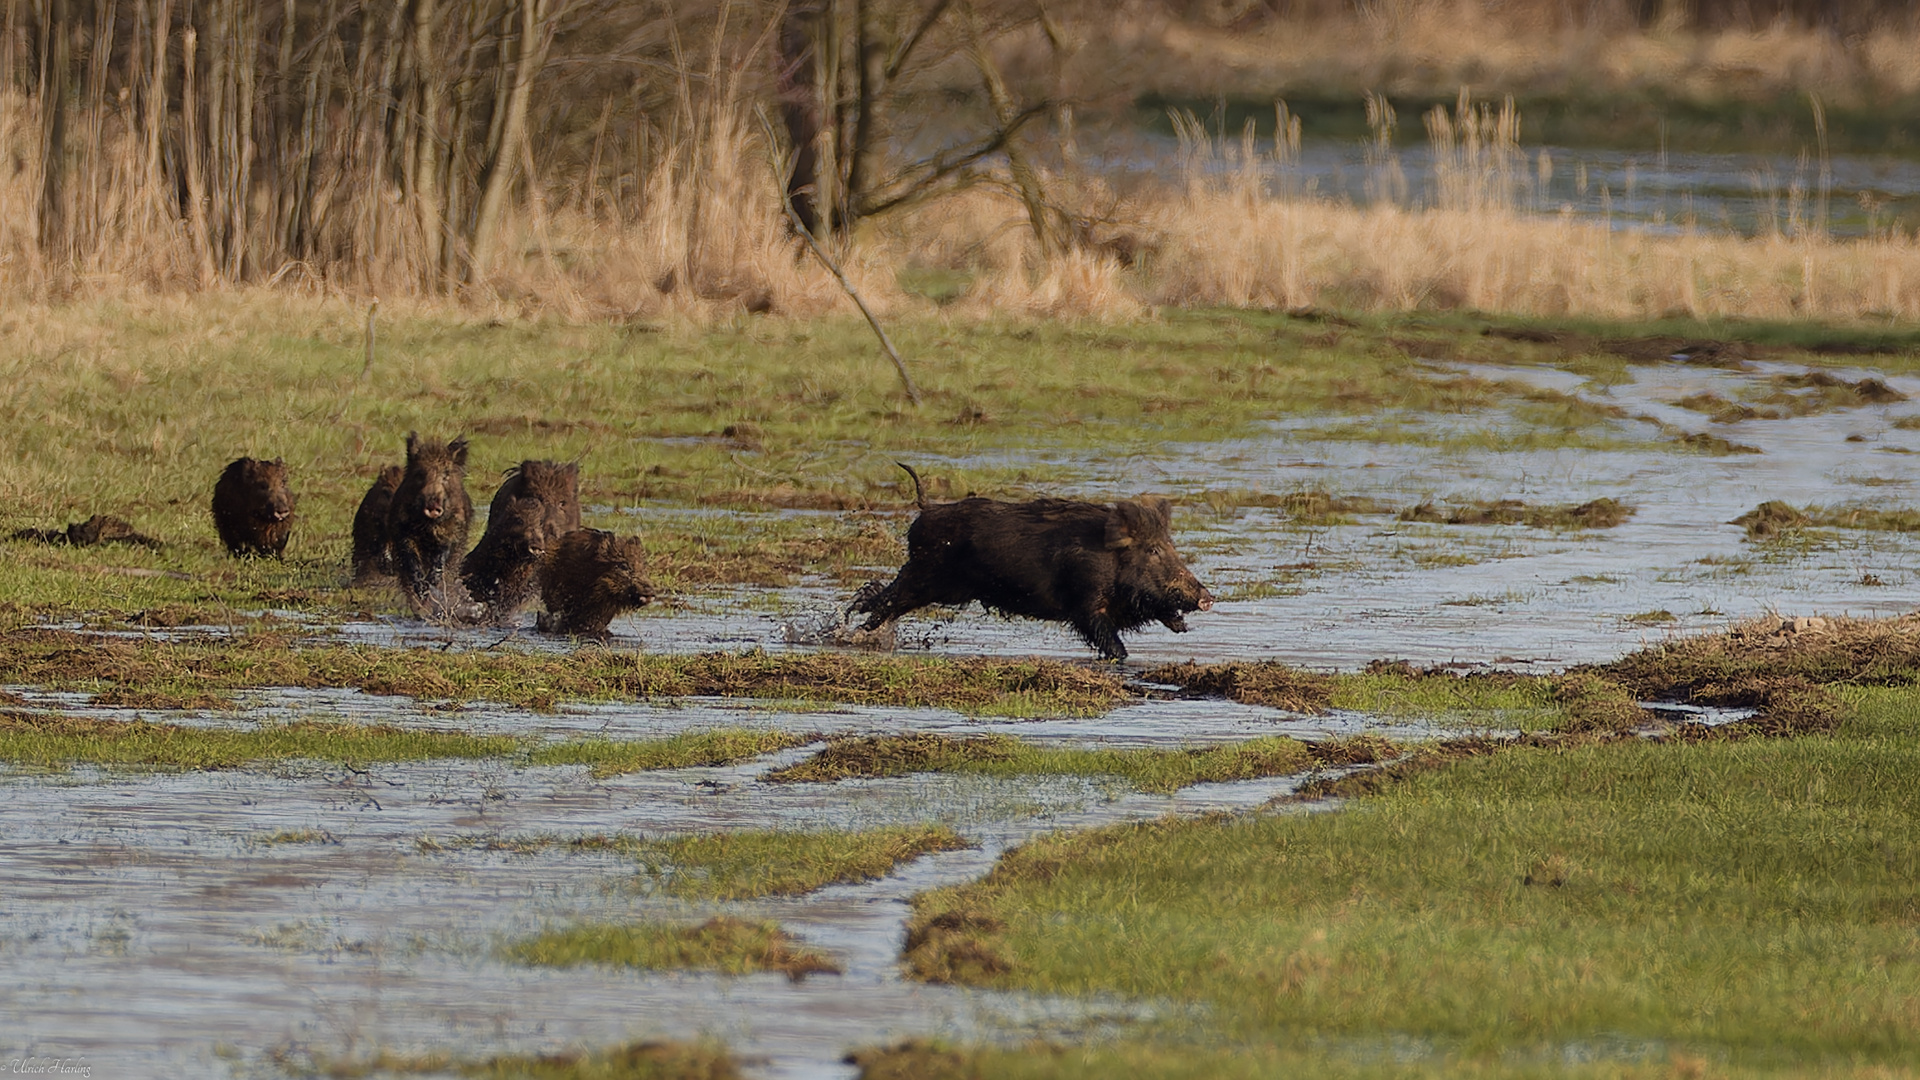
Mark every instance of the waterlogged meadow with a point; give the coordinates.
(1553, 718)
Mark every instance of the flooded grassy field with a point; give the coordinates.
(1534, 646)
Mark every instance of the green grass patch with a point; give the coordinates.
(133, 409)
(724, 944)
(1738, 901)
(614, 757)
(60, 660)
(47, 741)
(1159, 771)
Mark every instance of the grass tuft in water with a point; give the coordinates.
(725, 944)
(1597, 514)
(1158, 771)
(613, 757)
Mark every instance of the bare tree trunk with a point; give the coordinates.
(870, 57)
(535, 36)
(1025, 178)
(55, 60)
(425, 193)
(796, 85)
(190, 137)
(157, 96)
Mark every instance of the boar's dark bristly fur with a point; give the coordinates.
(427, 524)
(556, 486)
(1103, 569)
(501, 572)
(372, 554)
(538, 503)
(592, 576)
(252, 508)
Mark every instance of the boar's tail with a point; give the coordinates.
(919, 493)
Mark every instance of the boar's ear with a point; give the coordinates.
(459, 449)
(1125, 523)
(1161, 509)
(1143, 520)
(413, 439)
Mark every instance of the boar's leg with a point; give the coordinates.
(909, 591)
(1097, 627)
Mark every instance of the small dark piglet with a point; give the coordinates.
(427, 524)
(372, 554)
(252, 508)
(501, 572)
(1103, 569)
(592, 576)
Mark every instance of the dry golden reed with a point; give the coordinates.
(706, 239)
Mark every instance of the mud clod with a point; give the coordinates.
(98, 529)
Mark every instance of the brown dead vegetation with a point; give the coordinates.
(1771, 518)
(760, 946)
(914, 1059)
(1709, 443)
(159, 697)
(1802, 394)
(956, 946)
(1777, 665)
(1263, 682)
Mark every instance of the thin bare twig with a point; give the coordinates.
(786, 203)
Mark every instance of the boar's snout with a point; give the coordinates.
(1179, 595)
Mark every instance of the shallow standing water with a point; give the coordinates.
(1510, 596)
(152, 925)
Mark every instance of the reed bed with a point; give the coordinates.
(707, 240)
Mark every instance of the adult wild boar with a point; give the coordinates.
(1103, 569)
(501, 571)
(427, 524)
(592, 576)
(252, 507)
(372, 553)
(538, 503)
(555, 486)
